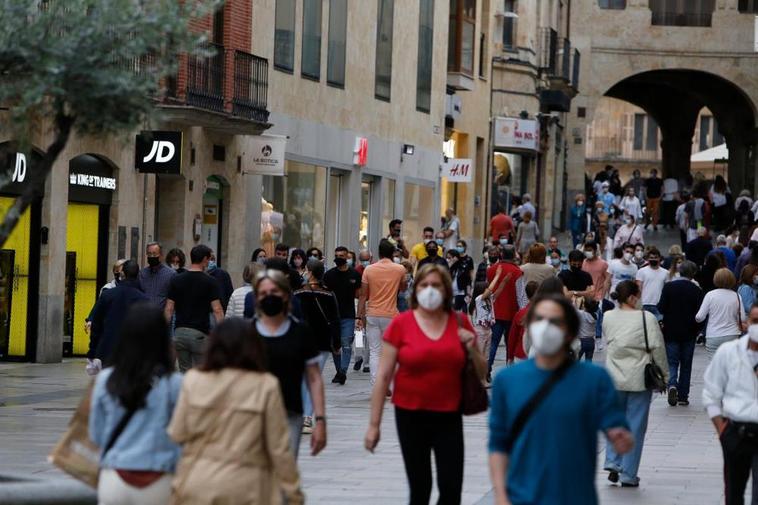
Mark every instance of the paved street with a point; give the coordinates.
(681, 463)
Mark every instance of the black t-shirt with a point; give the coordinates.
(192, 293)
(344, 285)
(287, 356)
(653, 187)
(575, 280)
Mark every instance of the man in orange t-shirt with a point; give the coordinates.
(501, 224)
(377, 304)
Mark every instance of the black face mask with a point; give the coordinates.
(494, 259)
(431, 252)
(340, 262)
(653, 263)
(271, 305)
(153, 261)
(575, 268)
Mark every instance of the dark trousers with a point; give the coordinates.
(422, 432)
(500, 328)
(679, 356)
(740, 456)
(459, 303)
(683, 238)
(587, 348)
(669, 210)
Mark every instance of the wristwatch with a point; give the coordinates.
(320, 418)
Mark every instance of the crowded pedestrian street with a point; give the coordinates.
(681, 464)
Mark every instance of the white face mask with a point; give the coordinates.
(627, 256)
(639, 254)
(429, 298)
(752, 332)
(396, 259)
(589, 255)
(547, 338)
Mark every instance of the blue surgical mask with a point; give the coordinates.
(212, 265)
(460, 249)
(350, 262)
(365, 263)
(439, 241)
(503, 241)
(315, 258)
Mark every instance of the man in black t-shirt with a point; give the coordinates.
(192, 296)
(653, 192)
(577, 282)
(345, 282)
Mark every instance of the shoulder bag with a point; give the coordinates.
(654, 378)
(739, 314)
(474, 399)
(527, 410)
(329, 326)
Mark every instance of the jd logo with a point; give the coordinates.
(266, 151)
(162, 151)
(19, 171)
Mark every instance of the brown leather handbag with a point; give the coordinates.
(474, 399)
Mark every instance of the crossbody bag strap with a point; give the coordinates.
(526, 412)
(120, 427)
(739, 312)
(644, 327)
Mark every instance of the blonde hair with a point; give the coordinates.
(447, 284)
(724, 279)
(251, 270)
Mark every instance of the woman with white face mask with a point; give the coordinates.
(549, 409)
(423, 352)
(624, 329)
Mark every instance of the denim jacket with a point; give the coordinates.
(144, 443)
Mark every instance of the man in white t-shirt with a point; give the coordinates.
(622, 269)
(670, 189)
(651, 279)
(451, 230)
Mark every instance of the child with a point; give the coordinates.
(518, 345)
(588, 320)
(403, 297)
(481, 311)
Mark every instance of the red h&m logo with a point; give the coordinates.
(360, 151)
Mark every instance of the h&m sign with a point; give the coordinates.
(457, 169)
(158, 152)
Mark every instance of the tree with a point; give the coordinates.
(93, 67)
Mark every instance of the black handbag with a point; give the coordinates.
(474, 399)
(654, 378)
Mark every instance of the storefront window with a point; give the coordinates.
(293, 207)
(418, 211)
(388, 206)
(365, 206)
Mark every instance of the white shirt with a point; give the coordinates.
(455, 225)
(723, 308)
(652, 280)
(631, 234)
(731, 387)
(681, 217)
(670, 186)
(632, 206)
(621, 272)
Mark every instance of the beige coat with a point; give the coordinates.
(235, 445)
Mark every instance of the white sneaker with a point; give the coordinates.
(599, 344)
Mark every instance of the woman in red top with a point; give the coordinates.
(423, 351)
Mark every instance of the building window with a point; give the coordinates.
(639, 131)
(509, 25)
(284, 35)
(705, 131)
(651, 139)
(425, 52)
(460, 56)
(418, 210)
(718, 139)
(335, 62)
(311, 64)
(383, 69)
(748, 6)
(612, 4)
(682, 12)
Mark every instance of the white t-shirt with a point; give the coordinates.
(632, 206)
(620, 272)
(631, 234)
(452, 240)
(483, 314)
(723, 308)
(670, 186)
(652, 284)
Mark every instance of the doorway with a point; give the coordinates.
(14, 286)
(213, 215)
(368, 187)
(333, 231)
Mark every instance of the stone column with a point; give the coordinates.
(677, 150)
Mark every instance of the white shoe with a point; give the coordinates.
(600, 345)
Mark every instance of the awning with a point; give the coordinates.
(713, 154)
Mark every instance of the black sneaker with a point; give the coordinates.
(673, 396)
(685, 402)
(336, 378)
(366, 369)
(358, 364)
(629, 484)
(613, 476)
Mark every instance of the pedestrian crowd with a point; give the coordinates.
(203, 392)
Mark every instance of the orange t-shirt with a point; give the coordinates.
(598, 269)
(500, 224)
(383, 280)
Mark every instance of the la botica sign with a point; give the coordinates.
(517, 133)
(458, 169)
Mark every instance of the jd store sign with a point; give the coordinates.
(158, 152)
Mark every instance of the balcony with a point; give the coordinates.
(559, 66)
(224, 90)
(693, 19)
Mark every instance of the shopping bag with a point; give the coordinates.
(359, 339)
(75, 453)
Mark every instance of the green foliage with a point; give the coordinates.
(95, 63)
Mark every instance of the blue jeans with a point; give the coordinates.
(636, 405)
(347, 335)
(500, 328)
(305, 392)
(653, 309)
(587, 349)
(576, 238)
(679, 356)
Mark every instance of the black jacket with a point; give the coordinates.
(108, 315)
(680, 301)
(225, 285)
(320, 311)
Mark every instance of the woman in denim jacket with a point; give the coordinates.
(139, 465)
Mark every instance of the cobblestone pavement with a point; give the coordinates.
(681, 462)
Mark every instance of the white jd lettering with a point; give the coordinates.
(19, 171)
(162, 151)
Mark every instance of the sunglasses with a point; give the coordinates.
(557, 321)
